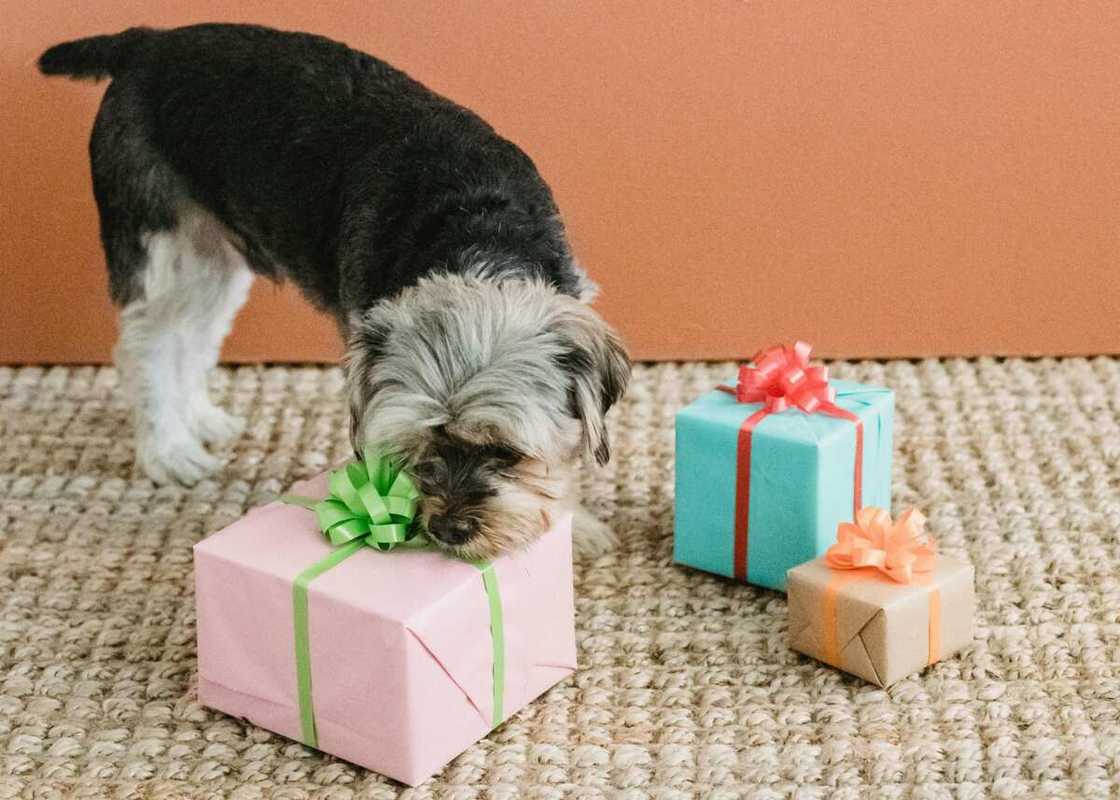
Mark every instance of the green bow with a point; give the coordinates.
(372, 501)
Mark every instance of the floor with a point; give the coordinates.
(686, 686)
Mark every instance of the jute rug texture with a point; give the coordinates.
(686, 686)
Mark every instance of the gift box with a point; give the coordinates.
(767, 468)
(396, 661)
(881, 604)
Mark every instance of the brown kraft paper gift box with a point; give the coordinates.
(864, 623)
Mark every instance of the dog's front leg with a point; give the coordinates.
(590, 535)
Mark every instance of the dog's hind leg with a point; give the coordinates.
(178, 285)
(149, 356)
(193, 285)
(226, 281)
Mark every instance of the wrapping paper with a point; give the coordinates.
(864, 623)
(400, 642)
(802, 480)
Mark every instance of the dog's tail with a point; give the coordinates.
(96, 57)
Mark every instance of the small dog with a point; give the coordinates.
(224, 151)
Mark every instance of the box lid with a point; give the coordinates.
(722, 408)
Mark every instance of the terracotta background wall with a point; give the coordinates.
(881, 178)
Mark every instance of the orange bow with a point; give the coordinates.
(897, 549)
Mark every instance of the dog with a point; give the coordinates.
(221, 152)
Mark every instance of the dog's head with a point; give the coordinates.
(489, 392)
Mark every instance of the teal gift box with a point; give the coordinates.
(801, 471)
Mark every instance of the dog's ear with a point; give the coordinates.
(598, 368)
(366, 345)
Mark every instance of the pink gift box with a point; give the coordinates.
(400, 642)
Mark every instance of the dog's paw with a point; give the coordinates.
(215, 426)
(590, 535)
(175, 460)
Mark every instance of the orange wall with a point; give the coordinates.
(883, 179)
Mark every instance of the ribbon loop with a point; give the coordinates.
(897, 549)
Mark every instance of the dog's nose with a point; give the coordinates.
(451, 530)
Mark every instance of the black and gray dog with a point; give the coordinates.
(221, 151)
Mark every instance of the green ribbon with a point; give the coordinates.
(372, 503)
(497, 639)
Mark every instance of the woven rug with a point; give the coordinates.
(686, 687)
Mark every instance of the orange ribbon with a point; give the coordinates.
(780, 378)
(875, 547)
(897, 549)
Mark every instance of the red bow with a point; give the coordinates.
(897, 549)
(781, 377)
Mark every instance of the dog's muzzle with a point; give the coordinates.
(451, 530)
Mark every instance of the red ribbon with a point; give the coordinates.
(781, 378)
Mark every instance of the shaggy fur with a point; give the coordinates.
(489, 391)
(224, 151)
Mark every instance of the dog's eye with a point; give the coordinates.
(501, 455)
(427, 470)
